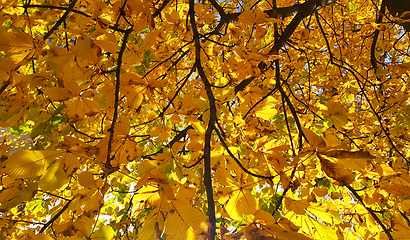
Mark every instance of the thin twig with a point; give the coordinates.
(108, 166)
(58, 23)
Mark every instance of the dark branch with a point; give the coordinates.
(55, 217)
(54, 7)
(61, 20)
(158, 12)
(237, 161)
(211, 123)
(108, 166)
(375, 217)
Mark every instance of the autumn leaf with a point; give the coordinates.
(105, 233)
(29, 164)
(14, 43)
(297, 206)
(242, 202)
(153, 226)
(57, 174)
(16, 193)
(335, 171)
(314, 139)
(337, 114)
(185, 222)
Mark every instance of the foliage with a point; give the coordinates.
(184, 119)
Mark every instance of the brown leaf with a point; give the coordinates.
(335, 171)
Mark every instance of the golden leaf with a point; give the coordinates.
(314, 140)
(29, 164)
(16, 193)
(185, 222)
(241, 203)
(104, 233)
(297, 206)
(14, 43)
(86, 179)
(153, 226)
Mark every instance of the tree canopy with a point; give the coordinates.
(205, 119)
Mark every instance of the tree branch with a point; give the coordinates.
(108, 166)
(54, 7)
(58, 23)
(158, 12)
(55, 217)
(379, 19)
(211, 123)
(305, 9)
(375, 217)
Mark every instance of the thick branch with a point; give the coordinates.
(158, 12)
(211, 123)
(305, 9)
(302, 11)
(376, 36)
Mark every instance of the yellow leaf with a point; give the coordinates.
(223, 177)
(57, 173)
(267, 109)
(324, 232)
(84, 225)
(338, 115)
(297, 206)
(14, 43)
(59, 94)
(15, 60)
(152, 227)
(405, 205)
(147, 194)
(106, 45)
(105, 232)
(186, 222)
(77, 110)
(315, 140)
(41, 236)
(95, 203)
(357, 160)
(53, 179)
(329, 216)
(122, 127)
(320, 191)
(16, 193)
(283, 233)
(158, 177)
(29, 164)
(397, 186)
(86, 179)
(242, 202)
